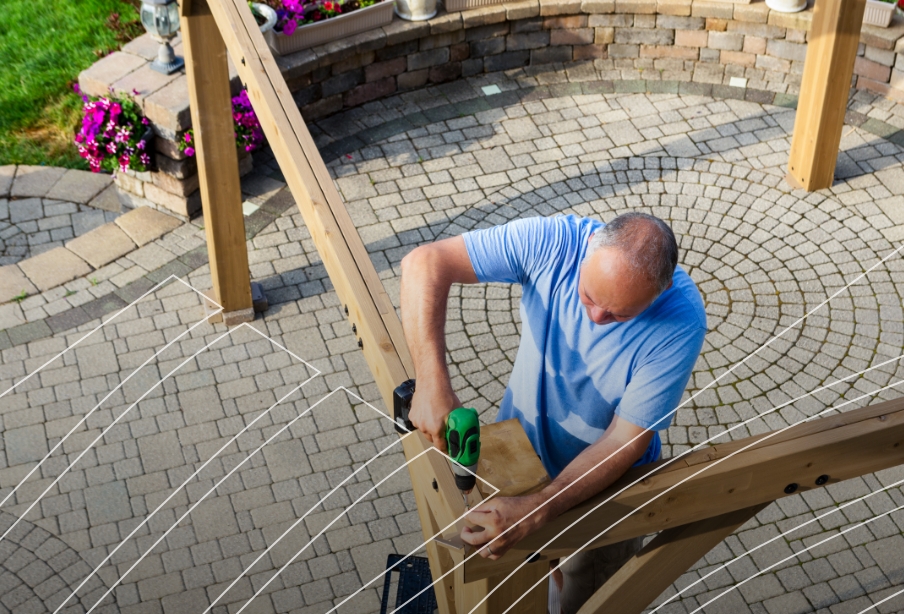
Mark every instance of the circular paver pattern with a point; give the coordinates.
(38, 571)
(31, 226)
(761, 254)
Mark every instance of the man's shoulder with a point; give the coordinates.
(685, 300)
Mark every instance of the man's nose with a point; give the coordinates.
(598, 315)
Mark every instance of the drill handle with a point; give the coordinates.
(401, 406)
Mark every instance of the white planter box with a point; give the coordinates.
(348, 24)
(464, 5)
(787, 6)
(878, 13)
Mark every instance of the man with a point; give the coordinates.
(611, 329)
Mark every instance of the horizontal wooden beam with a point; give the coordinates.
(840, 447)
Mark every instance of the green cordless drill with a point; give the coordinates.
(462, 436)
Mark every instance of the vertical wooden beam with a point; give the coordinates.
(831, 51)
(662, 561)
(218, 166)
(535, 601)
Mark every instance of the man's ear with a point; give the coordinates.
(590, 237)
(668, 286)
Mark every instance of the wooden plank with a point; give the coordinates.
(218, 166)
(829, 66)
(859, 442)
(663, 561)
(469, 594)
(340, 247)
(441, 560)
(274, 105)
(508, 460)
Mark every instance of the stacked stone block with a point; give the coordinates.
(689, 40)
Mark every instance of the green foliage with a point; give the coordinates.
(44, 44)
(21, 296)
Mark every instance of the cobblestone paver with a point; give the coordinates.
(42, 208)
(762, 255)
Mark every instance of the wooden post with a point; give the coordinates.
(218, 166)
(831, 51)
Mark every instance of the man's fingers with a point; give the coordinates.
(473, 537)
(439, 441)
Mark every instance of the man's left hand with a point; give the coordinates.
(497, 515)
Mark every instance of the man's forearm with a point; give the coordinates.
(595, 469)
(424, 295)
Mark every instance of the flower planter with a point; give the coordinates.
(878, 13)
(787, 6)
(464, 5)
(313, 34)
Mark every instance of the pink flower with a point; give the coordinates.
(188, 137)
(189, 151)
(140, 145)
(289, 28)
(144, 121)
(145, 159)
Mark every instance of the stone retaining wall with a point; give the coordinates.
(673, 40)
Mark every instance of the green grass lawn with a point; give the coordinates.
(44, 44)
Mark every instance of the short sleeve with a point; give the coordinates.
(656, 386)
(515, 252)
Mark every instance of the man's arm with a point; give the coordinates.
(607, 459)
(428, 273)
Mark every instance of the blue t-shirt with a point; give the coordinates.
(572, 375)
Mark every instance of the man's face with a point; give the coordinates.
(608, 290)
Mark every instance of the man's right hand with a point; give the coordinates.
(429, 409)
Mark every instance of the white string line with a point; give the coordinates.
(878, 603)
(423, 545)
(178, 489)
(666, 491)
(223, 479)
(99, 326)
(105, 431)
(399, 562)
(676, 458)
(287, 531)
(297, 521)
(93, 409)
(797, 554)
(331, 523)
(670, 414)
(769, 541)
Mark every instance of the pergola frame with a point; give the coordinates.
(698, 501)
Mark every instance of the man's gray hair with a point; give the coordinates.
(646, 243)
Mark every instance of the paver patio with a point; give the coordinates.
(762, 255)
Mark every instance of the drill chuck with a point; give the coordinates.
(465, 480)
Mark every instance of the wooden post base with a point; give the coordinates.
(229, 318)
